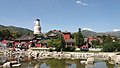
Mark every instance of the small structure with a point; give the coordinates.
(95, 49)
(66, 35)
(24, 40)
(84, 48)
(4, 42)
(44, 43)
(52, 35)
(70, 42)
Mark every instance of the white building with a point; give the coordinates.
(37, 27)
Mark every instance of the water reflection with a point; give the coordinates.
(44, 66)
(58, 63)
(54, 63)
(63, 63)
(110, 65)
(97, 65)
(72, 66)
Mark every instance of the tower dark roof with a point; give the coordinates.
(37, 19)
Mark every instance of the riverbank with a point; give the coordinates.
(71, 55)
(38, 54)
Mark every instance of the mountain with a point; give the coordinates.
(115, 33)
(16, 29)
(87, 33)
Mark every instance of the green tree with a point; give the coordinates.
(95, 43)
(49, 32)
(58, 43)
(62, 41)
(116, 39)
(108, 47)
(74, 35)
(70, 48)
(54, 43)
(103, 38)
(108, 39)
(15, 34)
(116, 45)
(118, 48)
(112, 46)
(79, 38)
(5, 33)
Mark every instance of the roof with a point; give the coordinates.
(52, 34)
(4, 42)
(43, 41)
(26, 37)
(66, 32)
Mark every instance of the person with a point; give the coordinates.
(37, 54)
(10, 64)
(33, 44)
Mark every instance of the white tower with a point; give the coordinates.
(37, 27)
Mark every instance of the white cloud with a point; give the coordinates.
(81, 3)
(87, 29)
(85, 4)
(78, 2)
(116, 29)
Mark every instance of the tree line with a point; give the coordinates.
(8, 35)
(108, 44)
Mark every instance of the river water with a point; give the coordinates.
(56, 63)
(64, 63)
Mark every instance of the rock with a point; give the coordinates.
(6, 65)
(90, 60)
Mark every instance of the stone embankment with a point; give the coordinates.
(68, 55)
(110, 56)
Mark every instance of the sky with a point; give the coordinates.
(64, 15)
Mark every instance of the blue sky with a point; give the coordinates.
(96, 15)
